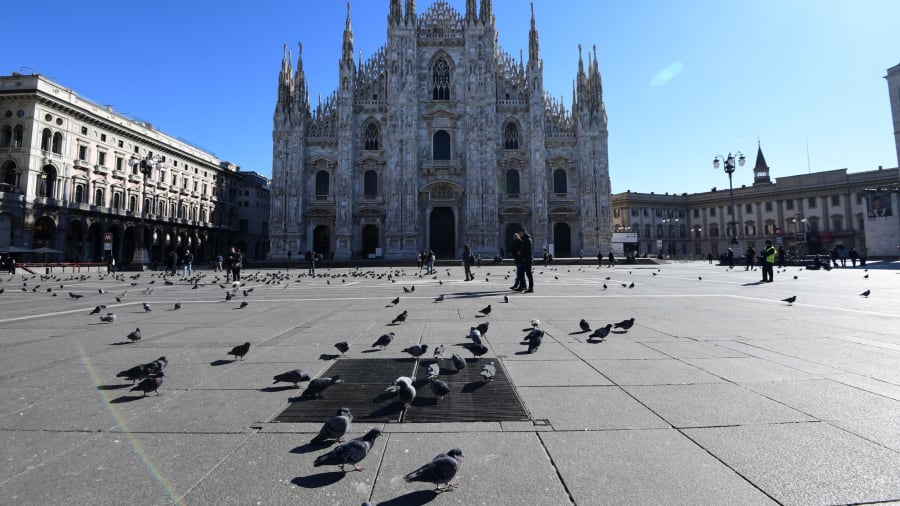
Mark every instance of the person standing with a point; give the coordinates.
(854, 256)
(768, 262)
(546, 256)
(188, 263)
(709, 257)
(781, 257)
(237, 262)
(429, 262)
(11, 263)
(730, 258)
(519, 284)
(748, 257)
(173, 263)
(527, 256)
(311, 255)
(468, 260)
(219, 261)
(612, 259)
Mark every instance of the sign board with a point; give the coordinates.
(107, 242)
(778, 231)
(778, 240)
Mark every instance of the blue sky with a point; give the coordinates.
(683, 80)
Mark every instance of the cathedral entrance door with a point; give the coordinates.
(442, 232)
(562, 240)
(322, 240)
(369, 239)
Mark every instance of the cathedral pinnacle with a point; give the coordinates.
(487, 13)
(348, 38)
(534, 47)
(410, 12)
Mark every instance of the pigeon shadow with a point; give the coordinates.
(319, 480)
(579, 332)
(309, 448)
(221, 361)
(112, 387)
(418, 497)
(523, 352)
(392, 409)
(618, 331)
(281, 388)
(752, 284)
(473, 386)
(447, 372)
(126, 398)
(328, 356)
(595, 340)
(120, 343)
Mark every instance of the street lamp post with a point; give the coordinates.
(729, 169)
(145, 165)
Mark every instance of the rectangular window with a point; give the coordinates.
(204, 188)
(634, 211)
(712, 211)
(789, 204)
(82, 153)
(174, 180)
(768, 207)
(101, 158)
(84, 130)
(119, 163)
(837, 225)
(658, 213)
(835, 200)
(696, 213)
(859, 198)
(645, 211)
(121, 144)
(162, 176)
(102, 137)
(811, 202)
(748, 208)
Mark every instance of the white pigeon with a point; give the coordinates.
(109, 318)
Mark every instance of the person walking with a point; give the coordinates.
(468, 260)
(518, 285)
(173, 263)
(768, 262)
(219, 261)
(612, 259)
(730, 258)
(546, 256)
(748, 258)
(527, 255)
(781, 257)
(188, 263)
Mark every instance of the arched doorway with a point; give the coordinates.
(369, 240)
(562, 240)
(95, 243)
(74, 241)
(511, 229)
(442, 236)
(43, 233)
(322, 240)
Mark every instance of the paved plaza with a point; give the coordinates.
(719, 394)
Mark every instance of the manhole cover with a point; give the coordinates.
(363, 391)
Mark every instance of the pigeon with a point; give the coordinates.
(534, 339)
(334, 428)
(405, 290)
(866, 293)
(483, 328)
(342, 347)
(535, 323)
(601, 332)
(458, 362)
(433, 371)
(244, 304)
(240, 351)
(506, 299)
(477, 349)
(406, 392)
(177, 306)
(135, 335)
(150, 384)
(75, 295)
(384, 340)
(136, 373)
(439, 352)
(625, 324)
(228, 296)
(416, 350)
(108, 317)
(486, 311)
(585, 326)
(631, 285)
(488, 371)
(440, 388)
(319, 385)
(474, 335)
(790, 300)
(395, 301)
(97, 309)
(157, 365)
(352, 452)
(440, 298)
(295, 377)
(147, 308)
(439, 471)
(400, 318)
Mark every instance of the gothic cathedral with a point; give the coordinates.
(437, 140)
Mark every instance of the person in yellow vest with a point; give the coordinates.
(768, 261)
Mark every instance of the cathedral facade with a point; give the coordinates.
(439, 139)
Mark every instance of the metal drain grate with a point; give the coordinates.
(471, 399)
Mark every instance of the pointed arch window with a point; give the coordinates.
(441, 145)
(512, 181)
(371, 136)
(46, 139)
(440, 80)
(370, 183)
(560, 181)
(510, 136)
(322, 184)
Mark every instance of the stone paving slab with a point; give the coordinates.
(646, 467)
(652, 372)
(530, 373)
(806, 463)
(747, 369)
(826, 399)
(588, 408)
(884, 430)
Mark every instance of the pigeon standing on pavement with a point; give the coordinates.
(147, 308)
(483, 328)
(240, 351)
(416, 350)
(601, 332)
(585, 326)
(342, 347)
(108, 318)
(790, 300)
(352, 452)
(477, 349)
(534, 339)
(177, 306)
(319, 385)
(406, 392)
(439, 352)
(488, 371)
(458, 362)
(486, 311)
(150, 384)
(400, 318)
(440, 388)
(134, 335)
(97, 309)
(384, 340)
(295, 377)
(432, 371)
(625, 324)
(439, 471)
(474, 335)
(866, 293)
(334, 428)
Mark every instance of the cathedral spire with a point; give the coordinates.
(534, 46)
(395, 14)
(300, 77)
(761, 170)
(410, 12)
(470, 11)
(487, 13)
(347, 56)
